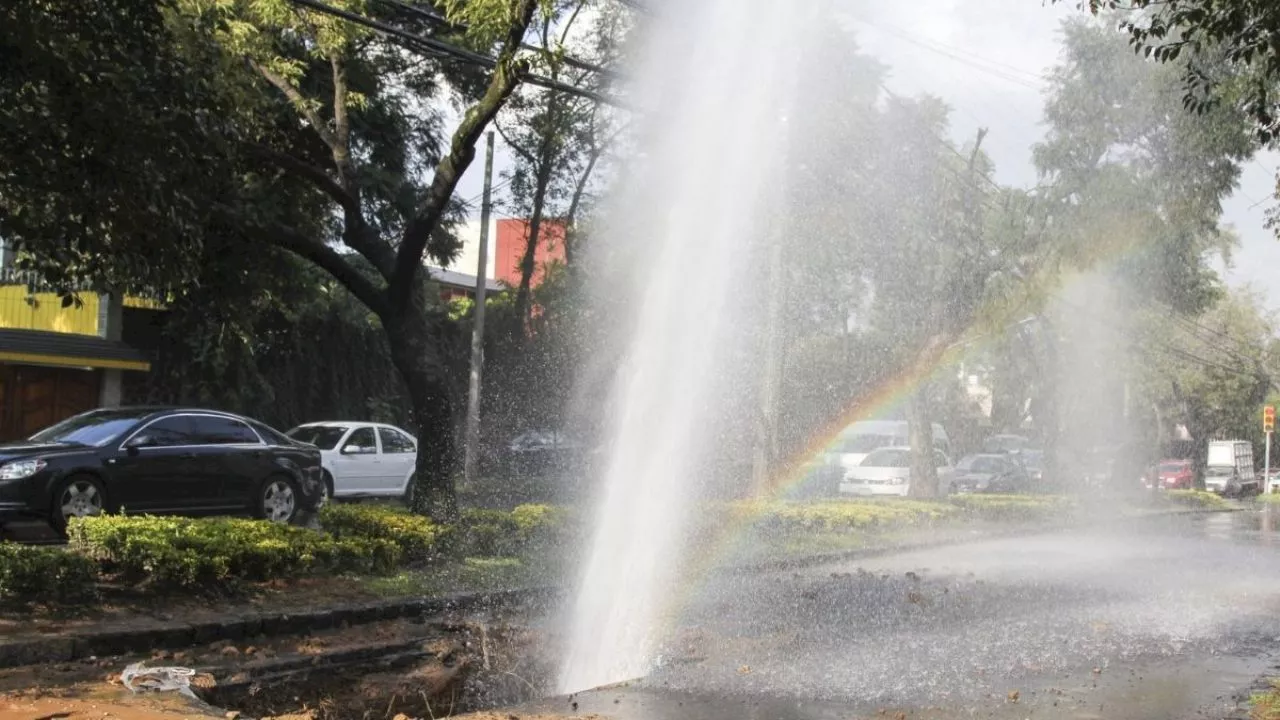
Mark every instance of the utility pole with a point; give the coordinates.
(472, 462)
(1268, 425)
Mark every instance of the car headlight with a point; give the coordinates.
(19, 469)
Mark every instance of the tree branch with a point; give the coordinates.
(312, 173)
(357, 234)
(314, 251)
(329, 260)
(299, 102)
(522, 152)
(506, 76)
(341, 122)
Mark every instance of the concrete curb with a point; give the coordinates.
(177, 635)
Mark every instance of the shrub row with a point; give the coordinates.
(526, 530)
(171, 553)
(417, 537)
(839, 515)
(1205, 499)
(165, 554)
(45, 574)
(868, 514)
(1011, 507)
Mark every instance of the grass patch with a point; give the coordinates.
(467, 575)
(1273, 498)
(1266, 705)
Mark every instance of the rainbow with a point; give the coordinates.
(940, 354)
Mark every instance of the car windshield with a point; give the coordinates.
(860, 444)
(1004, 443)
(325, 437)
(981, 464)
(96, 428)
(886, 458)
(1172, 467)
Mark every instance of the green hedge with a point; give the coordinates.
(528, 529)
(417, 536)
(169, 553)
(44, 574)
(1012, 507)
(1205, 499)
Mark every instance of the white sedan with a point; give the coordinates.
(362, 459)
(887, 471)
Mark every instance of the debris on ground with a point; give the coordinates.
(138, 678)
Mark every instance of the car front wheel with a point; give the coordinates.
(77, 496)
(278, 500)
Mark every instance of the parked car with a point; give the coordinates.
(990, 473)
(1032, 461)
(887, 471)
(543, 450)
(861, 438)
(1175, 475)
(362, 459)
(158, 460)
(997, 444)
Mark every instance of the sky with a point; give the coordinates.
(987, 60)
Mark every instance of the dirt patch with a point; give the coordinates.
(415, 668)
(101, 705)
(469, 668)
(121, 607)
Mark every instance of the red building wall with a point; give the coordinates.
(513, 237)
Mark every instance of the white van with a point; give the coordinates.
(861, 438)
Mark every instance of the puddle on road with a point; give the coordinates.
(1206, 688)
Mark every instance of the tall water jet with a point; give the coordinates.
(711, 86)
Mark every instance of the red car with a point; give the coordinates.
(1176, 475)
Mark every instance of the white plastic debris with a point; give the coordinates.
(138, 678)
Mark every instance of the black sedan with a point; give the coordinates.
(158, 460)
(990, 473)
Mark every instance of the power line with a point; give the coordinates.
(495, 188)
(973, 61)
(1192, 323)
(441, 21)
(1156, 344)
(432, 46)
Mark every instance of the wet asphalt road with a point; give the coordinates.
(1167, 618)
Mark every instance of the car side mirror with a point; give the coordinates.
(352, 449)
(136, 442)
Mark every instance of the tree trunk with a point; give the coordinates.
(528, 263)
(924, 475)
(416, 355)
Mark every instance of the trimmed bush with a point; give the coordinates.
(1205, 499)
(525, 530)
(1012, 507)
(44, 574)
(171, 553)
(416, 535)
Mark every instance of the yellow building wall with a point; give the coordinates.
(44, 311)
